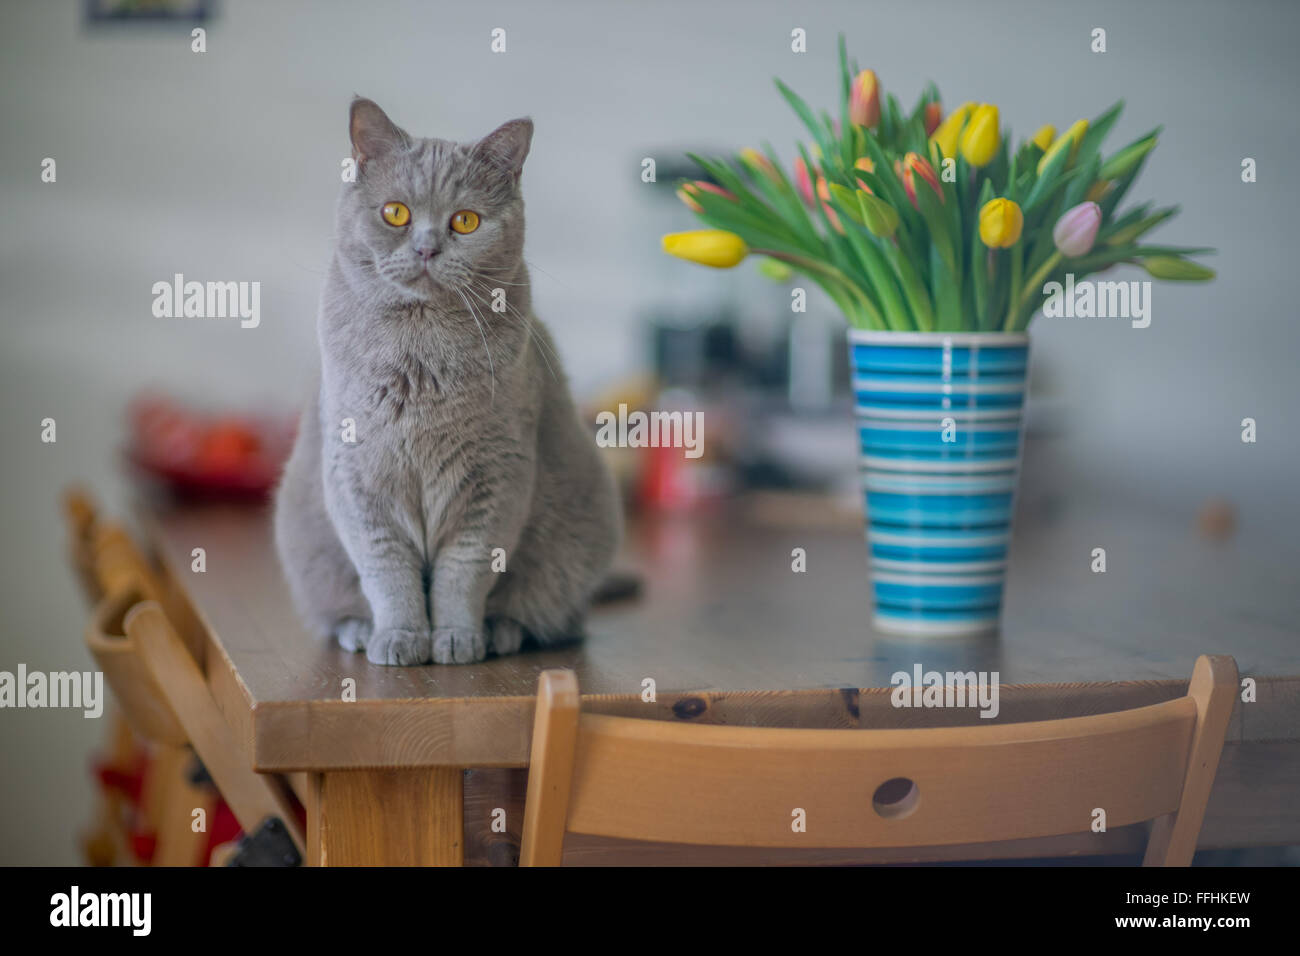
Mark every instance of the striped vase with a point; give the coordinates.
(939, 420)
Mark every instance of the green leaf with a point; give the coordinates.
(1083, 179)
(1123, 162)
(746, 204)
(882, 282)
(946, 290)
(937, 219)
(1098, 129)
(1129, 231)
(807, 117)
(913, 287)
(798, 211)
(847, 203)
(1048, 180)
(1177, 269)
(846, 128)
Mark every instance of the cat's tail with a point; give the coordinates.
(617, 586)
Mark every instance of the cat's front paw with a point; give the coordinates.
(458, 645)
(353, 633)
(398, 648)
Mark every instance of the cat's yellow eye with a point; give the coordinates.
(396, 214)
(464, 221)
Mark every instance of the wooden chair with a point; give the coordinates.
(713, 785)
(158, 683)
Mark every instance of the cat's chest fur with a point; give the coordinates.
(424, 424)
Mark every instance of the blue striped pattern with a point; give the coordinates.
(938, 512)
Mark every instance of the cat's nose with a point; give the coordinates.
(426, 251)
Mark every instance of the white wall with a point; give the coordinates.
(225, 166)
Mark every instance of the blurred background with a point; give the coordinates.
(225, 166)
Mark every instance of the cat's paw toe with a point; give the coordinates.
(398, 648)
(353, 633)
(458, 645)
(506, 635)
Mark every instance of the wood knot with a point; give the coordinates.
(850, 695)
(689, 708)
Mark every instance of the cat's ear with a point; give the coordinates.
(373, 133)
(506, 147)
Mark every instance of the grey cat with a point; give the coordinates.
(466, 437)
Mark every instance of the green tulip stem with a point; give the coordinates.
(830, 272)
(1035, 281)
(1016, 268)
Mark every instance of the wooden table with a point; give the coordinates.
(730, 634)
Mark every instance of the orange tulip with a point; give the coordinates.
(866, 165)
(933, 117)
(864, 99)
(803, 181)
(824, 194)
(916, 165)
(687, 193)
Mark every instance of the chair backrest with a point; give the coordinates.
(157, 677)
(666, 782)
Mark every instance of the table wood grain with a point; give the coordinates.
(731, 634)
(727, 631)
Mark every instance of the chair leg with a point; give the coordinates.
(253, 797)
(179, 844)
(550, 769)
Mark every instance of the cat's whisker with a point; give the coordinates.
(486, 349)
(542, 347)
(487, 272)
(533, 265)
(513, 310)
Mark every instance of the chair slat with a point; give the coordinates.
(732, 786)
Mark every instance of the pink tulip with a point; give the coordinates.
(1076, 230)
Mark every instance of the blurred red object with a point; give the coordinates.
(207, 455)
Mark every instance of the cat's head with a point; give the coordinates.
(429, 220)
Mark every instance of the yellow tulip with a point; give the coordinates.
(980, 139)
(1043, 138)
(1000, 223)
(945, 137)
(1070, 140)
(709, 247)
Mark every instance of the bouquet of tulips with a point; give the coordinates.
(924, 222)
